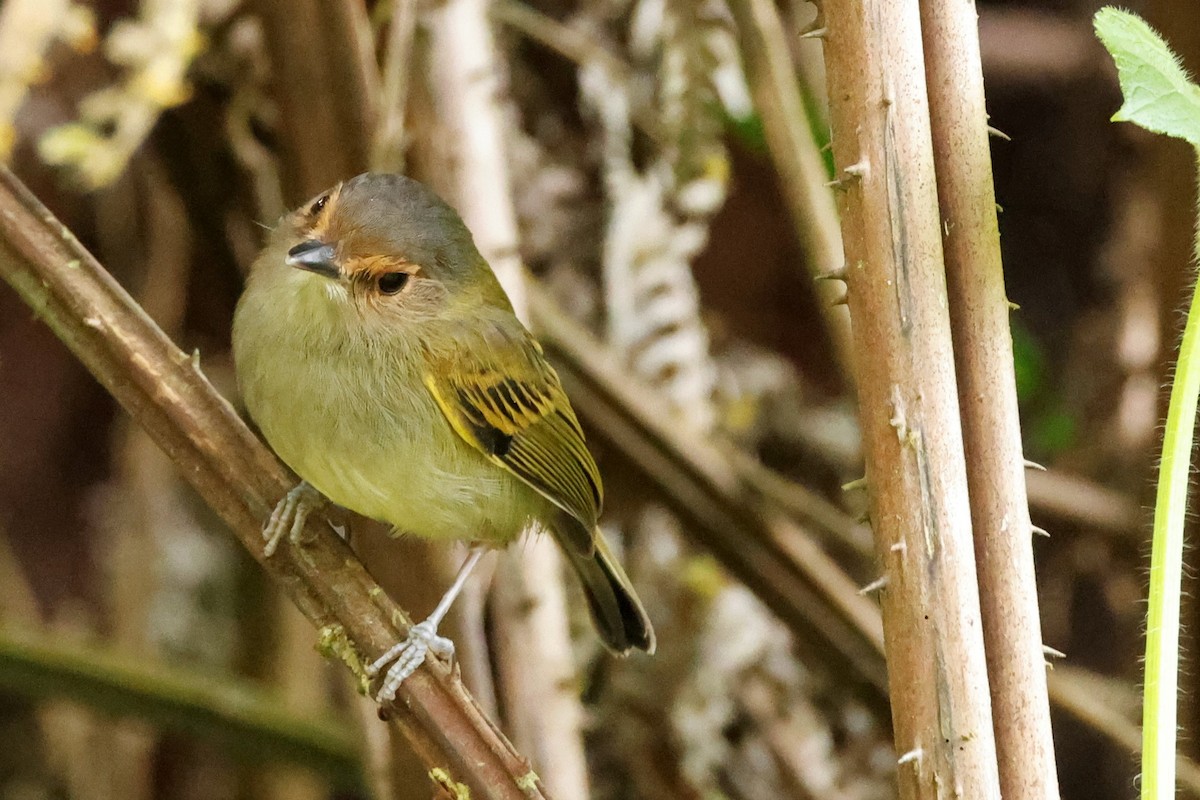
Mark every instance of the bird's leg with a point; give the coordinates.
(289, 516)
(409, 654)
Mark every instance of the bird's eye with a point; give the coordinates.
(392, 282)
(318, 205)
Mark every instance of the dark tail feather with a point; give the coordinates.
(615, 608)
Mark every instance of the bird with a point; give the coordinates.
(381, 359)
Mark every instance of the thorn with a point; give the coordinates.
(857, 483)
(1050, 651)
(196, 359)
(816, 29)
(1040, 531)
(999, 134)
(838, 274)
(896, 420)
(827, 147)
(899, 547)
(999, 208)
(850, 174)
(857, 170)
(912, 755)
(1034, 465)
(1012, 306)
(875, 585)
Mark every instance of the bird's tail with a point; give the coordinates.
(614, 605)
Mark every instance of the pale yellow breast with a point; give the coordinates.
(356, 421)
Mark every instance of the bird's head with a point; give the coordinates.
(379, 249)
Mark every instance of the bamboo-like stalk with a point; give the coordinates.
(164, 390)
(690, 476)
(908, 400)
(987, 394)
(797, 157)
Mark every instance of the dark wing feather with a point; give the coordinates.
(520, 418)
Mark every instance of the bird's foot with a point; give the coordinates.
(289, 516)
(407, 656)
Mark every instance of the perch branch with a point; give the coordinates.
(164, 390)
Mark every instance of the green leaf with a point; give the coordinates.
(1159, 95)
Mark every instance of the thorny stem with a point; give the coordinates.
(908, 400)
(165, 392)
(987, 394)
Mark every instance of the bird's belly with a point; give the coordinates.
(401, 463)
(455, 495)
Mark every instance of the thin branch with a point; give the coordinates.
(535, 675)
(987, 394)
(797, 157)
(1106, 705)
(767, 552)
(249, 720)
(164, 390)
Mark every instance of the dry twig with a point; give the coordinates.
(796, 154)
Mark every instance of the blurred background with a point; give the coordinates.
(641, 146)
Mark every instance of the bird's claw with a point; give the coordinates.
(289, 516)
(406, 656)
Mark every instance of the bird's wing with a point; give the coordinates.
(519, 417)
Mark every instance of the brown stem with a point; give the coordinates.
(164, 390)
(908, 400)
(987, 394)
(797, 157)
(624, 415)
(326, 84)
